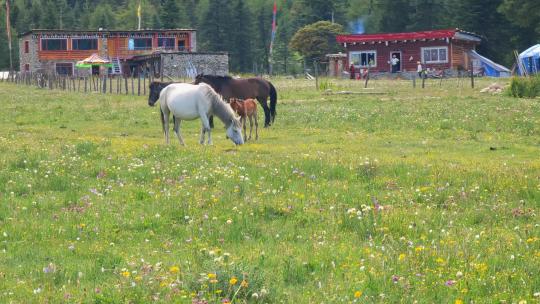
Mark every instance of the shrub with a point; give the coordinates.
(525, 87)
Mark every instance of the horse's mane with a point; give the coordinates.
(218, 77)
(220, 108)
(160, 85)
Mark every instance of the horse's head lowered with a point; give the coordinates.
(234, 131)
(155, 90)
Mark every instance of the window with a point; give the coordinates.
(181, 45)
(84, 44)
(26, 67)
(64, 68)
(27, 47)
(435, 54)
(166, 43)
(363, 58)
(54, 44)
(142, 43)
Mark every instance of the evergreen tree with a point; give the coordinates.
(393, 15)
(102, 17)
(263, 17)
(171, 15)
(49, 15)
(240, 35)
(426, 15)
(473, 16)
(215, 27)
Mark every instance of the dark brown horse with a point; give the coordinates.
(257, 88)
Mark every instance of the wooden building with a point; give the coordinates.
(57, 51)
(438, 49)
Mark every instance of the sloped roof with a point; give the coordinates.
(95, 59)
(493, 64)
(531, 52)
(409, 36)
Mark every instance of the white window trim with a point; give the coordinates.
(360, 53)
(434, 48)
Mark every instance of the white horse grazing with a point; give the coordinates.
(189, 102)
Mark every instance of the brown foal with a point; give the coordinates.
(246, 108)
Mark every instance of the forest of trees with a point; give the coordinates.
(243, 27)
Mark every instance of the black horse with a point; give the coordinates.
(257, 88)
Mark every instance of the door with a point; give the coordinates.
(395, 68)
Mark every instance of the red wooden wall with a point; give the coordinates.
(412, 49)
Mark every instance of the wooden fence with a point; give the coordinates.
(107, 84)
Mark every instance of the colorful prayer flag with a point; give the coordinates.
(139, 9)
(274, 27)
(8, 23)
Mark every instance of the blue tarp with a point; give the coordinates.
(487, 67)
(530, 60)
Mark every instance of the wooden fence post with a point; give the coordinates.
(126, 85)
(316, 68)
(367, 76)
(104, 84)
(472, 73)
(139, 84)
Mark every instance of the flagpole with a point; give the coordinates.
(274, 25)
(8, 29)
(139, 14)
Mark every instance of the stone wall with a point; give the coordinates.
(31, 57)
(177, 65)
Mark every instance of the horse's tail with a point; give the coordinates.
(273, 101)
(162, 119)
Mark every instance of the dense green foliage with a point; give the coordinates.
(315, 40)
(528, 87)
(427, 196)
(242, 27)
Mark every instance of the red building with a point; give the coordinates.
(439, 49)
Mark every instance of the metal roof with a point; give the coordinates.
(424, 35)
(67, 31)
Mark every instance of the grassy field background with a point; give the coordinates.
(412, 195)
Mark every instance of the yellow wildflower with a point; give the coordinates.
(174, 269)
(357, 294)
(244, 284)
(402, 256)
(212, 275)
(233, 281)
(419, 249)
(458, 301)
(125, 274)
(440, 260)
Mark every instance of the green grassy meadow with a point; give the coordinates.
(409, 196)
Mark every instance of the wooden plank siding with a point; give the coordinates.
(116, 47)
(459, 50)
(411, 52)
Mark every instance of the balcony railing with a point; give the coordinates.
(124, 52)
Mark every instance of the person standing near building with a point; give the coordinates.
(352, 71)
(395, 64)
(419, 69)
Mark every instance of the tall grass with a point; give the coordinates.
(427, 196)
(525, 87)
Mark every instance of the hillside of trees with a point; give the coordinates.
(243, 27)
